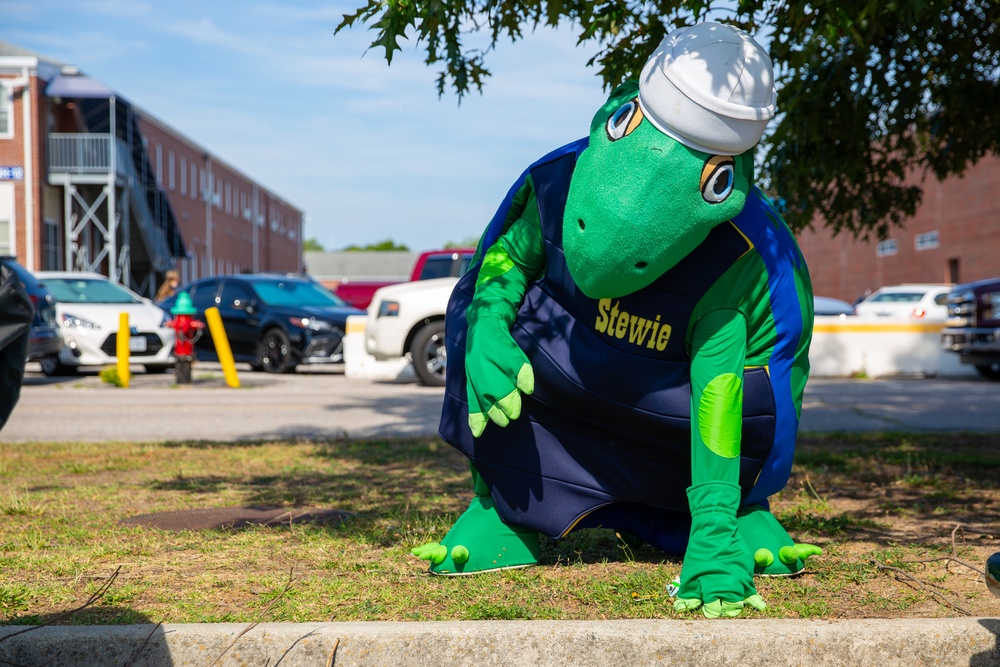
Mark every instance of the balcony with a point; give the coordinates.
(86, 154)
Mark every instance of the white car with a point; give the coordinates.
(827, 306)
(88, 309)
(915, 301)
(407, 319)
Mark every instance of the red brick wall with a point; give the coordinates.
(232, 234)
(12, 154)
(964, 211)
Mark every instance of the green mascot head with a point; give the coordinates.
(668, 159)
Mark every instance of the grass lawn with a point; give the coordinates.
(904, 522)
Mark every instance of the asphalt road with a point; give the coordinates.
(323, 403)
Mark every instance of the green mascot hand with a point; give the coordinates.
(497, 372)
(717, 574)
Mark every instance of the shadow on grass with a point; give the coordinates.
(96, 615)
(922, 476)
(391, 472)
(412, 481)
(889, 480)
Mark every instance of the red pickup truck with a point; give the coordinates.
(430, 264)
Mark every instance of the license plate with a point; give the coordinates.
(137, 344)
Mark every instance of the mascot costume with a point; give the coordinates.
(630, 349)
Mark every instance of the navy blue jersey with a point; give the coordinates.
(605, 437)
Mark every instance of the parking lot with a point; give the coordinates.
(323, 403)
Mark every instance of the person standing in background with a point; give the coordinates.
(168, 287)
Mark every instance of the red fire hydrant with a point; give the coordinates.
(187, 330)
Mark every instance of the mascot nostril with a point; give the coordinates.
(642, 371)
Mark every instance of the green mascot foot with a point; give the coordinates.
(775, 553)
(480, 542)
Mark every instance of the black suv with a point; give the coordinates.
(973, 326)
(273, 322)
(45, 341)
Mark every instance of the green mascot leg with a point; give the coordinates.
(775, 553)
(480, 541)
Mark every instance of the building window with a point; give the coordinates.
(229, 198)
(159, 164)
(51, 245)
(6, 218)
(194, 181)
(927, 241)
(6, 122)
(886, 248)
(183, 174)
(170, 169)
(5, 241)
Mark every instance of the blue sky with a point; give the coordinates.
(367, 150)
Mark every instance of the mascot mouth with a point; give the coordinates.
(606, 270)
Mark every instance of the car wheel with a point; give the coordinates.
(430, 358)
(274, 352)
(155, 370)
(51, 366)
(991, 371)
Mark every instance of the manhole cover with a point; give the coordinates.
(234, 518)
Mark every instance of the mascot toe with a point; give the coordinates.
(630, 348)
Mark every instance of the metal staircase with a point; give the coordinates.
(118, 221)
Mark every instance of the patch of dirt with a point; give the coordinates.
(906, 528)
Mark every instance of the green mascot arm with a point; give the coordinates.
(717, 573)
(497, 371)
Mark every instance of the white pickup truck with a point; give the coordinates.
(407, 319)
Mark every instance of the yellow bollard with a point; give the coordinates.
(122, 348)
(222, 348)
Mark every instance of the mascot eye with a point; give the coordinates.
(623, 121)
(717, 178)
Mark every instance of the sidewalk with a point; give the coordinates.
(698, 643)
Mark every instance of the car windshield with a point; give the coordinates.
(295, 293)
(897, 297)
(89, 290)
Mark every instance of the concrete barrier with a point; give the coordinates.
(841, 347)
(873, 347)
(359, 364)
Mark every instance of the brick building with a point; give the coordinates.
(88, 181)
(954, 237)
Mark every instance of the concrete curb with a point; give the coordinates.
(970, 642)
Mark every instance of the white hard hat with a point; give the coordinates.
(709, 86)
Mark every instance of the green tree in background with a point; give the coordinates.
(387, 244)
(469, 242)
(313, 245)
(870, 92)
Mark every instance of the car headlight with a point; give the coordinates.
(388, 309)
(311, 323)
(74, 322)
